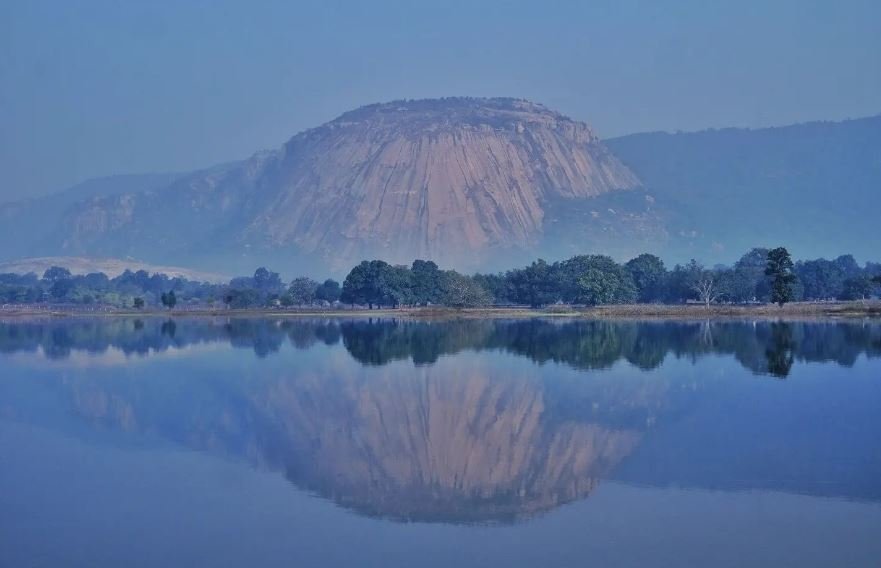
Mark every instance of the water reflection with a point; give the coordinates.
(765, 347)
(401, 428)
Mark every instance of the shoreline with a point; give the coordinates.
(807, 310)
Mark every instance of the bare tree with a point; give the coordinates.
(706, 286)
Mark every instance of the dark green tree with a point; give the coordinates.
(377, 283)
(329, 291)
(54, 273)
(534, 285)
(139, 303)
(169, 299)
(357, 285)
(426, 278)
(242, 298)
(748, 282)
(61, 288)
(648, 274)
(267, 281)
(821, 279)
(301, 291)
(398, 284)
(496, 285)
(780, 270)
(857, 288)
(604, 281)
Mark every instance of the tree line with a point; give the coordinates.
(141, 289)
(759, 276)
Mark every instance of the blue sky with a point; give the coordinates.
(95, 87)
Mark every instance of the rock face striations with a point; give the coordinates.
(457, 180)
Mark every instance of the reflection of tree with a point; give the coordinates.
(779, 353)
(581, 344)
(382, 341)
(168, 328)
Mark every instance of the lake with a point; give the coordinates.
(332, 442)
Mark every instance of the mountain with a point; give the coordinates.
(813, 187)
(463, 181)
(477, 184)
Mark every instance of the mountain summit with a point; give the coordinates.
(458, 180)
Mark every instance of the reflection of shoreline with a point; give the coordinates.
(693, 312)
(110, 357)
(763, 347)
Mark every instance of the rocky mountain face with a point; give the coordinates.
(462, 181)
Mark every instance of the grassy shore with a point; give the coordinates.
(858, 309)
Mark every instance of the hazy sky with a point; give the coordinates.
(101, 87)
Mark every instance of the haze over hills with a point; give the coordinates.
(112, 267)
(814, 187)
(477, 184)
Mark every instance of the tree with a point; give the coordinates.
(857, 288)
(604, 281)
(533, 285)
(495, 284)
(329, 291)
(139, 303)
(242, 298)
(302, 291)
(677, 285)
(55, 273)
(821, 279)
(426, 282)
(169, 299)
(780, 270)
(267, 281)
(648, 274)
(704, 283)
(397, 286)
(748, 282)
(377, 283)
(461, 291)
(356, 286)
(61, 287)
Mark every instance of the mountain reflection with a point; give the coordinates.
(764, 347)
(468, 439)
(444, 443)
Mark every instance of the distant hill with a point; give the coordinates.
(814, 187)
(112, 267)
(26, 225)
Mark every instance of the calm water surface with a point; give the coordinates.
(268, 442)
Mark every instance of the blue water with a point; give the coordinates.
(266, 442)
